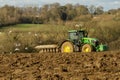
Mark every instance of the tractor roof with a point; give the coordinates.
(75, 30)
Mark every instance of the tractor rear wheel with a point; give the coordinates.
(67, 47)
(87, 48)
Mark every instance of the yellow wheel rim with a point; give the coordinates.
(86, 49)
(67, 49)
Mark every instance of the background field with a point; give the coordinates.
(30, 35)
(25, 27)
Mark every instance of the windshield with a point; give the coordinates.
(73, 35)
(81, 34)
(77, 35)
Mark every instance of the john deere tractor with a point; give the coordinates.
(78, 41)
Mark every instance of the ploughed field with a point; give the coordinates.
(58, 66)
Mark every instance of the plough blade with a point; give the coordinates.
(47, 48)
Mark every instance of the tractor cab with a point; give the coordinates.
(77, 35)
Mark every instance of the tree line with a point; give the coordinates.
(49, 13)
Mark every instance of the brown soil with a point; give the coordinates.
(57, 66)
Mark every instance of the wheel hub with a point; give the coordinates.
(67, 49)
(86, 49)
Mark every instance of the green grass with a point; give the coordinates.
(37, 28)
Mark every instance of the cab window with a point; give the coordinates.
(73, 35)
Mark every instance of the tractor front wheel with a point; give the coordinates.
(87, 48)
(67, 47)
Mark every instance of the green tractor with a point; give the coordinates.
(79, 41)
